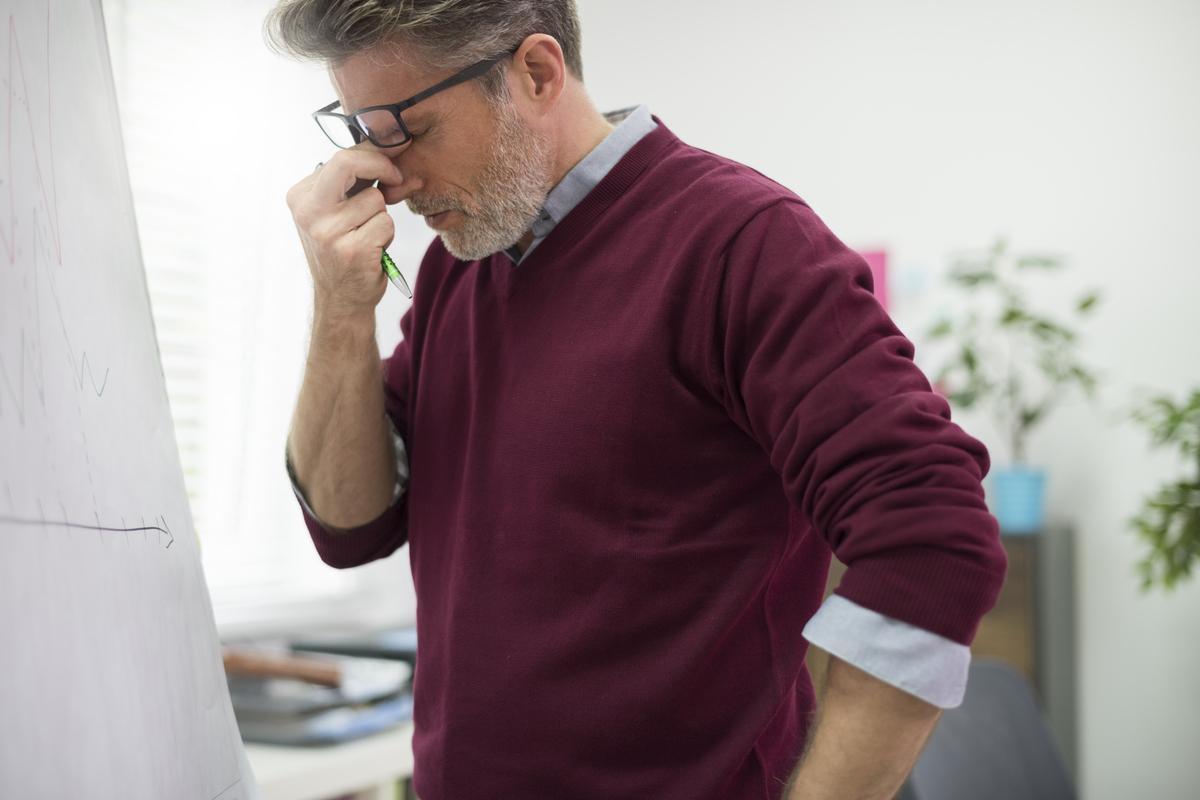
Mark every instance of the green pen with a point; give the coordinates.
(385, 261)
(393, 273)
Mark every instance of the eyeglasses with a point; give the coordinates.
(383, 125)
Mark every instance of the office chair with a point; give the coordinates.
(995, 746)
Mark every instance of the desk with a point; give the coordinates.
(368, 767)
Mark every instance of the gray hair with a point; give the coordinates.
(445, 33)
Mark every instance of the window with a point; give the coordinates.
(232, 297)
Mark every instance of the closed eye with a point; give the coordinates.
(421, 126)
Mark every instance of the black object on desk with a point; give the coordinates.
(397, 644)
(330, 726)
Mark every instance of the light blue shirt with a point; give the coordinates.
(920, 662)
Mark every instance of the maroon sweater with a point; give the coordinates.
(630, 457)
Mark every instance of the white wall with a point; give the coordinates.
(930, 127)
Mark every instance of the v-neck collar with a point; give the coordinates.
(507, 275)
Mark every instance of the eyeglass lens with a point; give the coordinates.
(382, 125)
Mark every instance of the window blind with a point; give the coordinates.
(215, 129)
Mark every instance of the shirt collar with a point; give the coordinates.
(631, 125)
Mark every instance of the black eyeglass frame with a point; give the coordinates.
(351, 120)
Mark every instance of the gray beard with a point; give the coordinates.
(510, 192)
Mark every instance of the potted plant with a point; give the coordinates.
(1169, 521)
(1017, 361)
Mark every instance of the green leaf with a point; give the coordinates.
(973, 278)
(1038, 262)
(1049, 330)
(1086, 379)
(941, 330)
(970, 359)
(1011, 316)
(963, 399)
(1030, 416)
(1087, 302)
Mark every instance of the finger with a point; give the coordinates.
(354, 212)
(378, 231)
(339, 174)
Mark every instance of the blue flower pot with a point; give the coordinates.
(1017, 499)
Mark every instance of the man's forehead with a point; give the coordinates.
(378, 76)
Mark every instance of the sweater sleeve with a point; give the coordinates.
(382, 536)
(813, 369)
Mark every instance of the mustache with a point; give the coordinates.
(426, 206)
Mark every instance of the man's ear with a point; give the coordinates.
(540, 72)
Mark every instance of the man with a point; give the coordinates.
(642, 393)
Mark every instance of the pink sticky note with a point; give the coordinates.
(877, 260)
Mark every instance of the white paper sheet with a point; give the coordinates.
(111, 684)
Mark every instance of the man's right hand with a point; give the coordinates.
(344, 237)
(340, 445)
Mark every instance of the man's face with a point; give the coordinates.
(474, 169)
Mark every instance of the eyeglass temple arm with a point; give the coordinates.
(473, 71)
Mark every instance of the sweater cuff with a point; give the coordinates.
(930, 667)
(918, 585)
(342, 548)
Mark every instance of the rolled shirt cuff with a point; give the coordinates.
(920, 662)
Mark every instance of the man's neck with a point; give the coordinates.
(591, 129)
